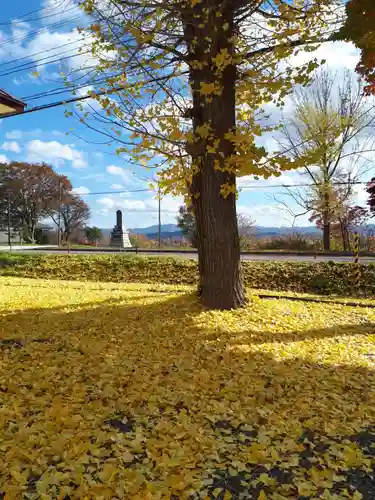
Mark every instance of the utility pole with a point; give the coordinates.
(9, 224)
(59, 226)
(159, 218)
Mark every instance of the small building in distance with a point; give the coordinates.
(43, 233)
(10, 104)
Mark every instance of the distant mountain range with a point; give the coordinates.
(259, 230)
(165, 228)
(172, 231)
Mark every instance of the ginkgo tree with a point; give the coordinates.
(330, 131)
(187, 82)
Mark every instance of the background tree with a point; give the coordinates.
(246, 225)
(348, 222)
(32, 189)
(93, 234)
(246, 230)
(186, 222)
(329, 133)
(371, 193)
(72, 213)
(6, 209)
(142, 241)
(345, 219)
(188, 79)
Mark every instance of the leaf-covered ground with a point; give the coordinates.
(134, 392)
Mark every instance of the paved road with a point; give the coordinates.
(266, 257)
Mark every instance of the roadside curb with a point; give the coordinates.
(192, 251)
(316, 300)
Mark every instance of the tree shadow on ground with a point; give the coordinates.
(199, 402)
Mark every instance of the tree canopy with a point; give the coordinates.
(32, 192)
(187, 83)
(186, 222)
(69, 212)
(330, 131)
(93, 234)
(29, 191)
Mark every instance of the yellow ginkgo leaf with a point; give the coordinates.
(262, 495)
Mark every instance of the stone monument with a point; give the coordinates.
(119, 235)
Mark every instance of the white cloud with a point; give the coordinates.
(127, 179)
(46, 40)
(361, 196)
(81, 190)
(4, 159)
(103, 212)
(139, 213)
(14, 134)
(169, 204)
(271, 215)
(289, 178)
(11, 146)
(95, 177)
(113, 170)
(20, 81)
(19, 28)
(337, 54)
(56, 153)
(51, 14)
(131, 205)
(117, 186)
(107, 202)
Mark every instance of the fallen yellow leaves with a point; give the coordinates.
(134, 391)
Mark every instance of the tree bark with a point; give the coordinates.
(327, 237)
(220, 273)
(326, 220)
(345, 235)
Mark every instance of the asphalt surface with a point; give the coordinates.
(261, 257)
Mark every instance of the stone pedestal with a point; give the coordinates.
(119, 235)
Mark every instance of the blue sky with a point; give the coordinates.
(93, 168)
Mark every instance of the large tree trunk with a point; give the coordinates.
(221, 281)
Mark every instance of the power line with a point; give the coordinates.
(40, 62)
(39, 18)
(30, 34)
(66, 88)
(148, 190)
(253, 187)
(83, 98)
(301, 185)
(30, 56)
(58, 103)
(35, 63)
(3, 23)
